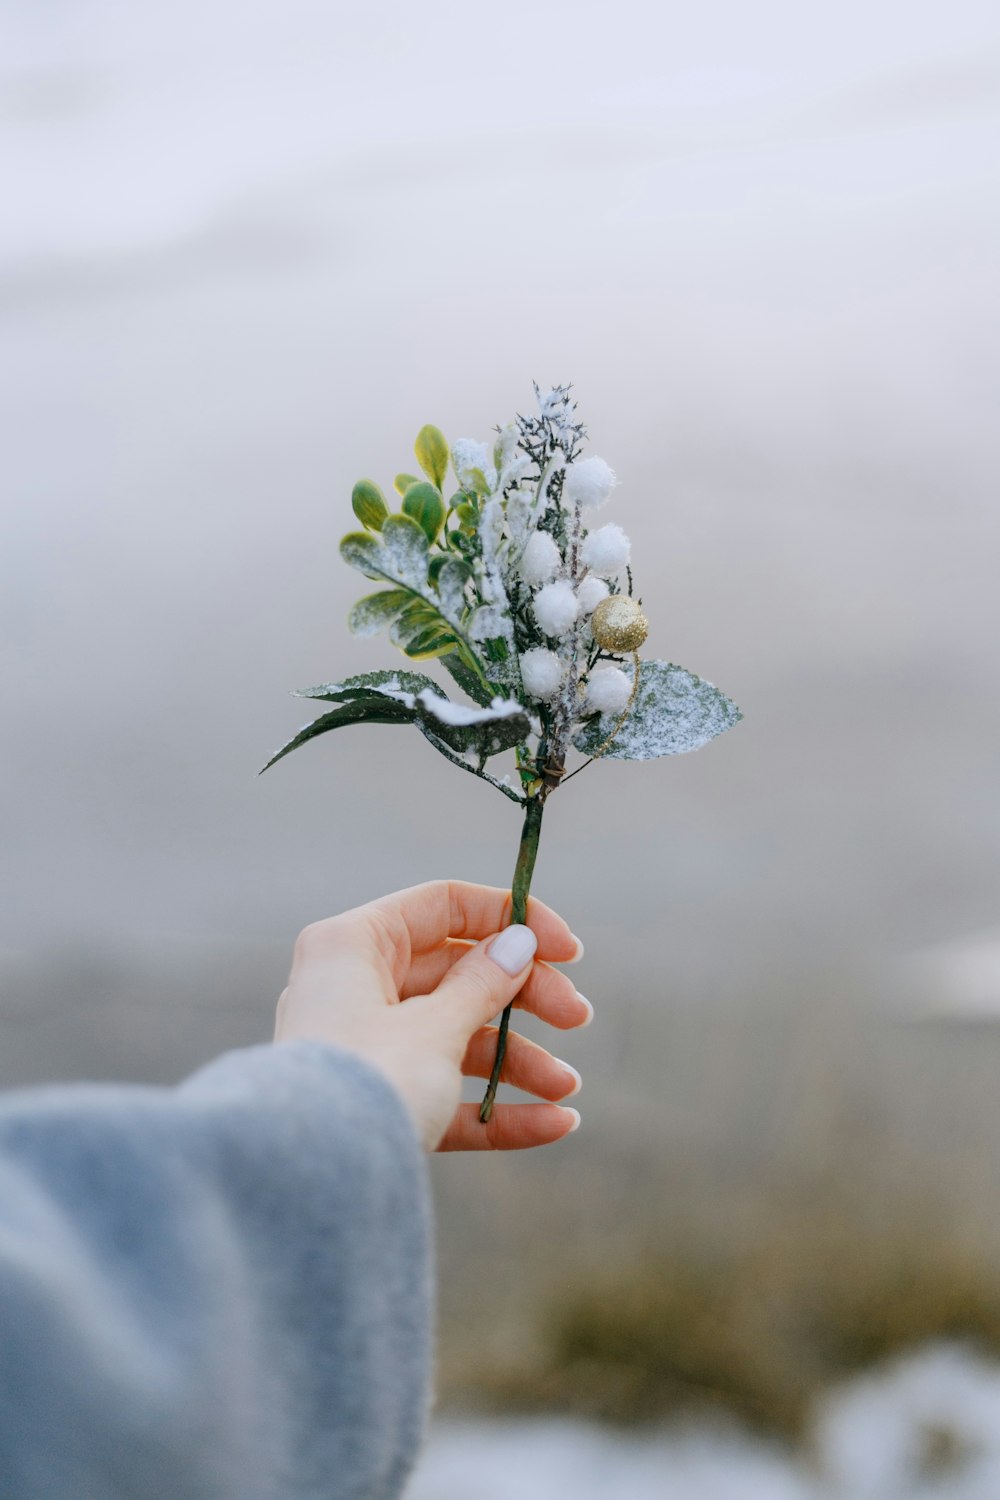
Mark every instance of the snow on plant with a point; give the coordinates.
(505, 583)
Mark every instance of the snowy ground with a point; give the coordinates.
(925, 1428)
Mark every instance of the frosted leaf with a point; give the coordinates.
(506, 444)
(404, 550)
(520, 507)
(401, 696)
(459, 714)
(412, 698)
(472, 461)
(488, 623)
(451, 581)
(366, 683)
(361, 550)
(674, 712)
(375, 611)
(491, 523)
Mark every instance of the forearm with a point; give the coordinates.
(218, 1289)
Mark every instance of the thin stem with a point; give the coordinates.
(526, 854)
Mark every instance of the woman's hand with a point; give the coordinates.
(436, 947)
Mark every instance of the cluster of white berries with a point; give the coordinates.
(559, 604)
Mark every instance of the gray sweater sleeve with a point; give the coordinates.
(220, 1291)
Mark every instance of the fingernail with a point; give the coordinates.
(576, 1119)
(579, 951)
(577, 1080)
(514, 947)
(589, 1007)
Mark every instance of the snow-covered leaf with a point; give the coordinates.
(402, 686)
(674, 711)
(456, 729)
(450, 579)
(487, 623)
(374, 611)
(473, 469)
(363, 551)
(404, 545)
(399, 555)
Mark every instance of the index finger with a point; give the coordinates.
(442, 909)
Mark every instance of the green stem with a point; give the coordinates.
(526, 854)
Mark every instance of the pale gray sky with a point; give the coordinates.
(250, 249)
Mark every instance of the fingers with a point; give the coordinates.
(547, 993)
(483, 981)
(443, 909)
(512, 1127)
(525, 1065)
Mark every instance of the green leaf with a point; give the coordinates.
(381, 711)
(364, 552)
(674, 712)
(456, 665)
(480, 483)
(429, 644)
(414, 620)
(365, 684)
(450, 578)
(431, 449)
(402, 482)
(404, 548)
(410, 697)
(374, 611)
(423, 504)
(369, 504)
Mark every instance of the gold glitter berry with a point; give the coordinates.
(619, 624)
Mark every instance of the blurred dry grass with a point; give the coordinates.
(756, 1336)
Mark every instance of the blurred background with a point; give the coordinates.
(246, 252)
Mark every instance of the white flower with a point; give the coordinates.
(606, 550)
(466, 455)
(588, 483)
(541, 673)
(608, 690)
(540, 559)
(556, 607)
(590, 593)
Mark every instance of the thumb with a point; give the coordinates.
(488, 977)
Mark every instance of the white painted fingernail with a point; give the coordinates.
(577, 1080)
(576, 1119)
(514, 948)
(589, 1007)
(579, 951)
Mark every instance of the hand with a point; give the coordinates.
(432, 947)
